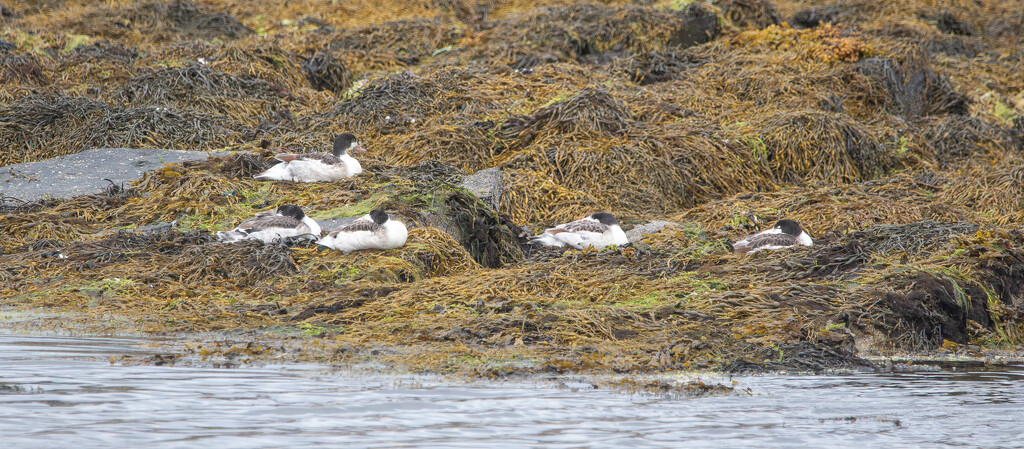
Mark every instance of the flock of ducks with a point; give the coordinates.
(377, 230)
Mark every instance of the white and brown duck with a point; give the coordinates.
(784, 234)
(375, 230)
(318, 167)
(286, 221)
(595, 231)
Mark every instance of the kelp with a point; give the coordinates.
(750, 14)
(159, 21)
(44, 125)
(586, 32)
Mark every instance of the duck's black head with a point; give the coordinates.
(346, 142)
(605, 218)
(379, 216)
(789, 227)
(291, 210)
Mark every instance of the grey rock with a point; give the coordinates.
(488, 185)
(637, 233)
(86, 172)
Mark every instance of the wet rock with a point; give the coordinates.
(488, 185)
(88, 172)
(637, 233)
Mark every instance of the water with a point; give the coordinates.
(63, 392)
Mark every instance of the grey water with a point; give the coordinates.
(65, 392)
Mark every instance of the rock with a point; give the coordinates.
(488, 185)
(86, 172)
(637, 233)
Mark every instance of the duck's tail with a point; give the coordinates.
(278, 172)
(231, 236)
(545, 240)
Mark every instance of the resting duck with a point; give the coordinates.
(786, 233)
(596, 231)
(375, 230)
(287, 221)
(317, 167)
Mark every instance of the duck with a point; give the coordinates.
(596, 231)
(375, 230)
(288, 220)
(784, 234)
(318, 167)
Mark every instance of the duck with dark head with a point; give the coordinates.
(288, 220)
(375, 230)
(596, 231)
(318, 167)
(784, 234)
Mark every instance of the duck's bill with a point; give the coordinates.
(359, 149)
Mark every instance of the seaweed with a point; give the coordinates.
(911, 238)
(105, 50)
(587, 110)
(750, 14)
(955, 138)
(914, 88)
(805, 145)
(6, 12)
(198, 87)
(46, 125)
(589, 32)
(325, 72)
(396, 44)
(161, 20)
(816, 15)
(400, 101)
(21, 67)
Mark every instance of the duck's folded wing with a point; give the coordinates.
(765, 241)
(259, 223)
(325, 158)
(583, 225)
(360, 225)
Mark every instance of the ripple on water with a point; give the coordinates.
(62, 391)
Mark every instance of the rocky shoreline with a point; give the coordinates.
(894, 136)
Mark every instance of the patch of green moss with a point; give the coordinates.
(247, 203)
(644, 302)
